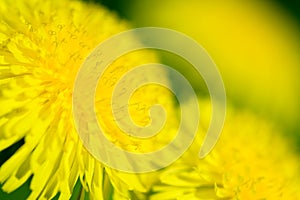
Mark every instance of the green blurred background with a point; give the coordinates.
(255, 44)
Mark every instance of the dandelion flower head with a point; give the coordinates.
(42, 46)
(250, 161)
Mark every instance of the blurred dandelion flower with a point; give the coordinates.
(42, 46)
(251, 161)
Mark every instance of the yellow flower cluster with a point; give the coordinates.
(42, 46)
(251, 161)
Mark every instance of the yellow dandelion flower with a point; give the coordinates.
(42, 46)
(251, 161)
